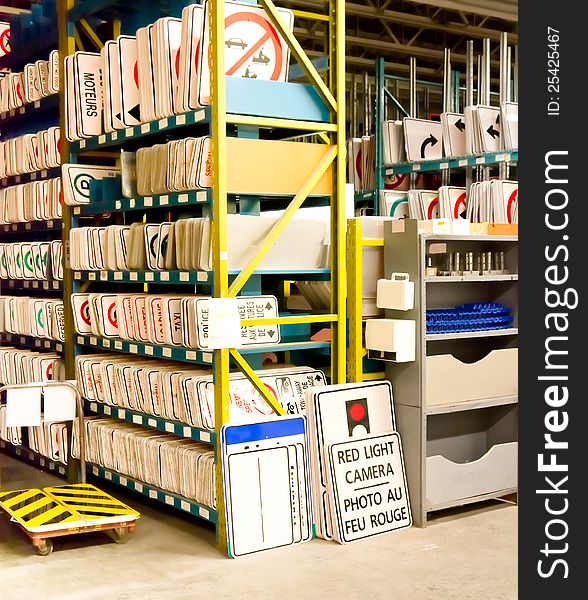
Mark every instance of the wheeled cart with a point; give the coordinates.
(70, 509)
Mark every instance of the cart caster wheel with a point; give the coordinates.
(44, 548)
(120, 535)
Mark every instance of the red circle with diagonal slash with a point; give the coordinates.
(432, 208)
(270, 34)
(136, 74)
(5, 41)
(49, 372)
(461, 200)
(513, 198)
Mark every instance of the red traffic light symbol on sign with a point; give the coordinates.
(358, 420)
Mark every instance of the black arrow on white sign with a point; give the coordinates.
(430, 140)
(493, 132)
(460, 125)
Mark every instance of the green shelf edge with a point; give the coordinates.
(152, 421)
(455, 162)
(155, 493)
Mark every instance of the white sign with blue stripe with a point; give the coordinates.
(267, 491)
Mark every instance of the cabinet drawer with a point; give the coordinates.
(449, 380)
(448, 482)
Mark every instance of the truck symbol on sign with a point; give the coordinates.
(235, 42)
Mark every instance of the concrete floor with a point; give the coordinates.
(466, 555)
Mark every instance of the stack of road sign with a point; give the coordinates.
(423, 139)
(393, 138)
(423, 205)
(175, 464)
(164, 69)
(452, 202)
(186, 245)
(483, 129)
(267, 495)
(83, 95)
(40, 261)
(36, 317)
(394, 204)
(454, 136)
(172, 320)
(510, 125)
(25, 366)
(167, 389)
(31, 201)
(494, 201)
(360, 162)
(38, 80)
(30, 152)
(176, 166)
(358, 481)
(77, 178)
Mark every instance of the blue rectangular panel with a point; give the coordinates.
(240, 434)
(275, 99)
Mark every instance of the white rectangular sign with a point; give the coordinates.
(368, 487)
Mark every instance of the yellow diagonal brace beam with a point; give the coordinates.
(256, 382)
(78, 40)
(91, 34)
(277, 229)
(291, 320)
(299, 53)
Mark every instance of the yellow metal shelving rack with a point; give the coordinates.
(332, 132)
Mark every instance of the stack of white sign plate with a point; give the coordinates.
(495, 201)
(454, 136)
(38, 80)
(452, 202)
(77, 178)
(30, 152)
(32, 260)
(179, 465)
(510, 125)
(394, 204)
(423, 139)
(186, 244)
(358, 482)
(266, 483)
(178, 393)
(483, 129)
(177, 166)
(360, 162)
(164, 69)
(32, 201)
(166, 319)
(23, 366)
(36, 317)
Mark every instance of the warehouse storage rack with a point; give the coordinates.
(280, 110)
(475, 166)
(32, 39)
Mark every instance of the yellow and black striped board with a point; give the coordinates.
(92, 504)
(37, 511)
